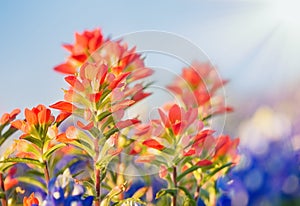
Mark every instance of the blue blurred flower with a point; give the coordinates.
(271, 178)
(224, 200)
(64, 191)
(200, 202)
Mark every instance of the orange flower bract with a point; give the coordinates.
(30, 201)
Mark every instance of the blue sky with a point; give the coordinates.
(249, 44)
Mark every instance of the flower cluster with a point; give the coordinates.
(82, 160)
(197, 87)
(184, 150)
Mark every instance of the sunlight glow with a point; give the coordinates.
(287, 12)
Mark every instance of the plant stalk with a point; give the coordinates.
(97, 173)
(47, 175)
(197, 192)
(98, 187)
(3, 199)
(174, 198)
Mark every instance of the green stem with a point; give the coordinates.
(98, 187)
(97, 174)
(174, 198)
(3, 199)
(46, 171)
(197, 192)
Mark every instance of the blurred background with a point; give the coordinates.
(254, 43)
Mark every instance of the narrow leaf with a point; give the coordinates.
(2, 195)
(49, 152)
(23, 160)
(191, 201)
(90, 187)
(130, 201)
(103, 115)
(7, 134)
(140, 192)
(32, 181)
(111, 132)
(34, 141)
(162, 192)
(189, 170)
(217, 170)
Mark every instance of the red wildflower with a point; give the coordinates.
(63, 138)
(197, 87)
(126, 123)
(163, 171)
(226, 146)
(10, 181)
(62, 116)
(66, 68)
(204, 162)
(135, 149)
(39, 115)
(152, 143)
(63, 106)
(30, 201)
(85, 44)
(192, 77)
(140, 95)
(178, 119)
(8, 117)
(85, 127)
(190, 152)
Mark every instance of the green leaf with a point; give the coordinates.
(108, 121)
(103, 115)
(7, 134)
(49, 152)
(140, 193)
(162, 192)
(95, 133)
(90, 187)
(129, 202)
(104, 95)
(78, 173)
(111, 132)
(169, 151)
(186, 160)
(189, 202)
(114, 192)
(2, 195)
(24, 160)
(216, 171)
(35, 150)
(148, 85)
(32, 181)
(85, 148)
(190, 197)
(206, 118)
(34, 173)
(34, 141)
(189, 170)
(82, 136)
(5, 166)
